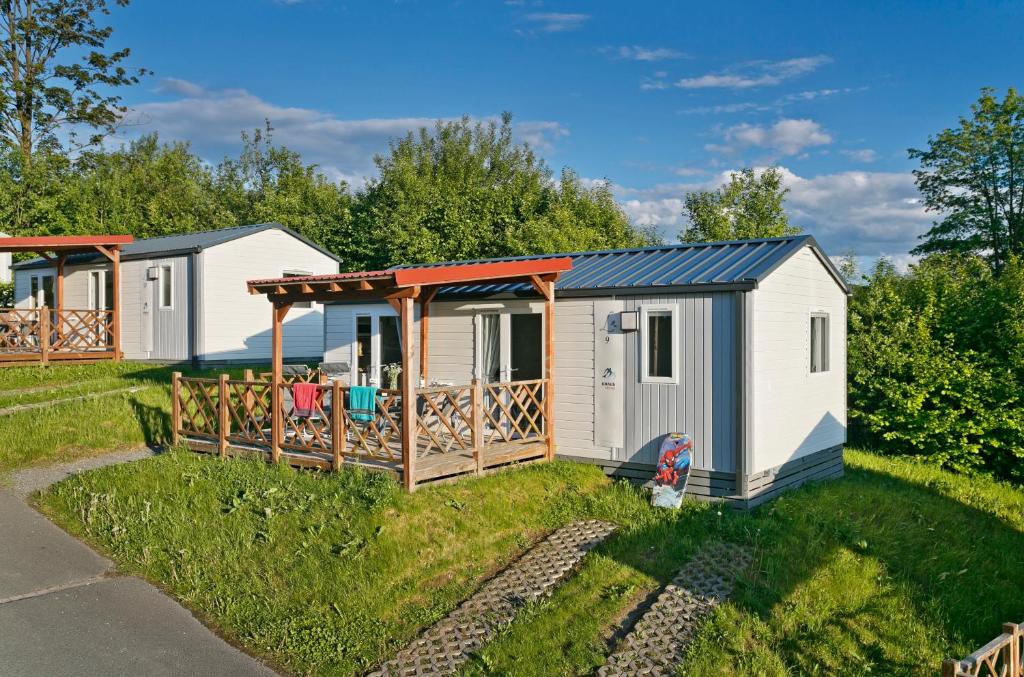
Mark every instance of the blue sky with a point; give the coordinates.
(656, 97)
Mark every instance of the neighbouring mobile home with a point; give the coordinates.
(740, 344)
(183, 297)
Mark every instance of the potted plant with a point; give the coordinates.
(391, 372)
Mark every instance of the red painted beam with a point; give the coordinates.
(62, 242)
(471, 273)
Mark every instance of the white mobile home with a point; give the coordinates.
(184, 298)
(740, 344)
(5, 265)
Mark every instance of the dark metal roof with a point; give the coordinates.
(184, 243)
(740, 263)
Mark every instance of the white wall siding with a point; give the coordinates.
(796, 412)
(340, 331)
(574, 380)
(236, 325)
(133, 282)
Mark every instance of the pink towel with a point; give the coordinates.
(304, 396)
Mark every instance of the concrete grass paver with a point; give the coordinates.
(117, 626)
(37, 555)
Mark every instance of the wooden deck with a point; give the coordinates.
(456, 430)
(45, 335)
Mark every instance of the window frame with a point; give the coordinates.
(298, 273)
(94, 298)
(826, 352)
(166, 273)
(645, 312)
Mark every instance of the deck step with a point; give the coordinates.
(447, 645)
(658, 641)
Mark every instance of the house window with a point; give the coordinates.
(299, 273)
(101, 290)
(659, 344)
(819, 342)
(166, 288)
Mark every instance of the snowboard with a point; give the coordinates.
(674, 458)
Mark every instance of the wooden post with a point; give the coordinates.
(549, 366)
(408, 396)
(425, 300)
(1013, 630)
(250, 397)
(224, 415)
(175, 408)
(337, 424)
(949, 667)
(44, 334)
(115, 304)
(59, 297)
(476, 399)
(280, 310)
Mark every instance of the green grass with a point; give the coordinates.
(72, 430)
(885, 571)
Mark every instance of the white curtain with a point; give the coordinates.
(490, 348)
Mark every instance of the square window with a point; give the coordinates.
(819, 342)
(659, 344)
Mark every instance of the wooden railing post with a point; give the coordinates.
(44, 334)
(476, 411)
(1013, 630)
(949, 667)
(223, 415)
(337, 424)
(175, 408)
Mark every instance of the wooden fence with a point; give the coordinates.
(44, 334)
(458, 422)
(1002, 657)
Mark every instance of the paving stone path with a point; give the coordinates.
(658, 641)
(443, 648)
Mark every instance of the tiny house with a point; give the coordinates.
(183, 297)
(742, 345)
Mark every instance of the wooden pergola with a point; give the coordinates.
(70, 334)
(403, 288)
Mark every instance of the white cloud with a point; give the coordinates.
(556, 22)
(865, 155)
(640, 53)
(867, 213)
(785, 137)
(213, 119)
(774, 105)
(755, 74)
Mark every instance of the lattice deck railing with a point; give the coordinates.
(1002, 657)
(451, 419)
(47, 332)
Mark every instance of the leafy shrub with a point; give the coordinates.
(936, 361)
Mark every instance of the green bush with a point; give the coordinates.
(936, 364)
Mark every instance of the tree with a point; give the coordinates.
(147, 189)
(749, 206)
(467, 190)
(55, 73)
(973, 175)
(272, 183)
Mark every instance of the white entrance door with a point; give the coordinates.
(378, 344)
(509, 346)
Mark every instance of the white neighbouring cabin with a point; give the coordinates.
(184, 297)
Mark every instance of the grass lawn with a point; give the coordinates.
(885, 571)
(71, 430)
